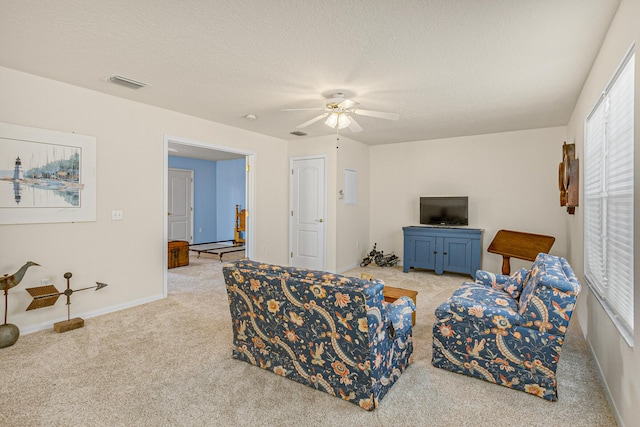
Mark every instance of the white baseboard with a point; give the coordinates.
(89, 314)
(347, 268)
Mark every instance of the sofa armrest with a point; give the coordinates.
(399, 313)
(390, 340)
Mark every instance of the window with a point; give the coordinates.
(608, 194)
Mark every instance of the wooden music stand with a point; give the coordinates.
(519, 245)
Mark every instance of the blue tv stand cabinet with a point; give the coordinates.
(454, 249)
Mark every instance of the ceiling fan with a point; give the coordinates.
(339, 111)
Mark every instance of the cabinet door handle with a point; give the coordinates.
(444, 253)
(435, 252)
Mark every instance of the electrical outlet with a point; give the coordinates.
(45, 282)
(116, 215)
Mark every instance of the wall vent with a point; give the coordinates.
(126, 82)
(299, 133)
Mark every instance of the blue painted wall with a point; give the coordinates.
(204, 196)
(231, 188)
(218, 187)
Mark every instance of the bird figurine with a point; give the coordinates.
(9, 333)
(7, 282)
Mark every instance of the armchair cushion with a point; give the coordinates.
(489, 306)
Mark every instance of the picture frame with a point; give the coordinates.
(46, 176)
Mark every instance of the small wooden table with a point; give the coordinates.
(391, 294)
(519, 245)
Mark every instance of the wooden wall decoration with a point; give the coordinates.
(568, 178)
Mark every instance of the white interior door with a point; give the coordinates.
(180, 203)
(307, 201)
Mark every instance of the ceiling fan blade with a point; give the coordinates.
(354, 126)
(303, 109)
(378, 114)
(309, 122)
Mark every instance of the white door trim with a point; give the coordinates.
(249, 194)
(324, 224)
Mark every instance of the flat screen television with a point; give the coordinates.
(444, 210)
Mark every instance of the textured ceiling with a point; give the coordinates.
(448, 67)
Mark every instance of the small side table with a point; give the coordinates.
(391, 294)
(519, 245)
(178, 253)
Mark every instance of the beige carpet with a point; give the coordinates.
(168, 363)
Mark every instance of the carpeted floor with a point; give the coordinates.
(168, 363)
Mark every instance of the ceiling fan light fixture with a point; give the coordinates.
(343, 121)
(338, 120)
(332, 120)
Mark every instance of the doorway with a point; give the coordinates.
(308, 212)
(180, 205)
(180, 147)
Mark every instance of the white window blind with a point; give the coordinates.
(608, 194)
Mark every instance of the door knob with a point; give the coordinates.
(320, 220)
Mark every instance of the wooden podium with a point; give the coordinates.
(519, 245)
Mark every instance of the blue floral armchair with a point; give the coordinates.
(509, 330)
(330, 332)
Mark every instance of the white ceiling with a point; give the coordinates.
(449, 67)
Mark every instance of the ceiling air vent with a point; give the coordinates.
(299, 133)
(126, 82)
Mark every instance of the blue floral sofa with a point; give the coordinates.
(509, 330)
(330, 332)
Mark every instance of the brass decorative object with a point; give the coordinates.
(568, 178)
(45, 296)
(9, 333)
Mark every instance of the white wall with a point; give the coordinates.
(347, 227)
(128, 255)
(618, 362)
(511, 180)
(353, 220)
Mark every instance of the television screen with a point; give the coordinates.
(444, 210)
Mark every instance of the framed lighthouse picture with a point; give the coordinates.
(46, 176)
